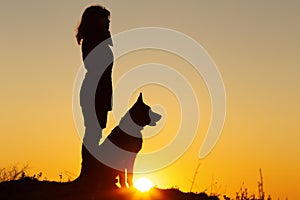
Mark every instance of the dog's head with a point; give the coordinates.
(142, 114)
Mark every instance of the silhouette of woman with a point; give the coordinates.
(96, 90)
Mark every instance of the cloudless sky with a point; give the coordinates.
(255, 45)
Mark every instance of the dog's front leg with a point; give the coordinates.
(129, 179)
(129, 167)
(122, 178)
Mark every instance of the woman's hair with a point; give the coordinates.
(90, 27)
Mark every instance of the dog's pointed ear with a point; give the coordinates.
(140, 99)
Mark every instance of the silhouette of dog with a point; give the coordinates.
(119, 149)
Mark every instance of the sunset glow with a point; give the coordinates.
(143, 184)
(255, 45)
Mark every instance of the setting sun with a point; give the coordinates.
(143, 184)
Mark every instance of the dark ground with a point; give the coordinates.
(44, 190)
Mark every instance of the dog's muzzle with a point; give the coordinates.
(155, 117)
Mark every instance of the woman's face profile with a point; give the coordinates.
(104, 22)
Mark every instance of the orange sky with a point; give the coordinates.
(254, 44)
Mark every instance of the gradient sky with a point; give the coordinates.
(255, 45)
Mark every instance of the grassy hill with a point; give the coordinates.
(32, 189)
